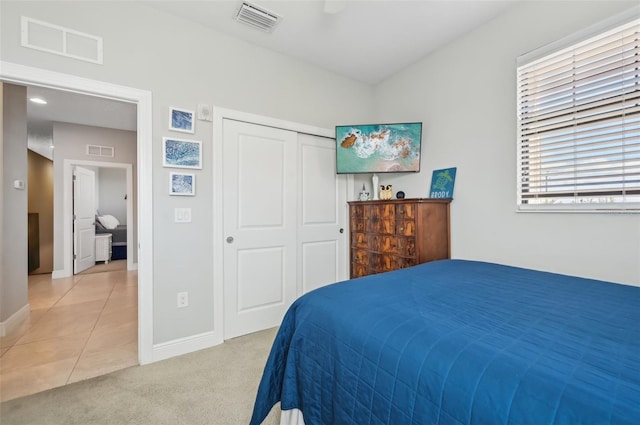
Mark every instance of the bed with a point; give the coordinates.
(109, 224)
(458, 342)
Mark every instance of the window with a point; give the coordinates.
(579, 125)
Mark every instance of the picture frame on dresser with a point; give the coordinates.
(442, 183)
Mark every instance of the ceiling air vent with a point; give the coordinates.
(257, 17)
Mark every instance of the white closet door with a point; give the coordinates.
(322, 235)
(260, 202)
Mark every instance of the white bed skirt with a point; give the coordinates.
(291, 417)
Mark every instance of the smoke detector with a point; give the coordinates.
(257, 17)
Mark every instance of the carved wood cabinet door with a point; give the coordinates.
(394, 234)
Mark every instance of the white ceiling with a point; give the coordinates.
(73, 108)
(366, 40)
(80, 109)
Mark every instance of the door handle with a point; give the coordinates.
(341, 230)
(230, 239)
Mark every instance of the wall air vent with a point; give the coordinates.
(59, 40)
(257, 17)
(96, 150)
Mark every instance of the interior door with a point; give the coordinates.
(84, 232)
(260, 203)
(322, 237)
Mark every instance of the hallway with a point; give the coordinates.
(79, 327)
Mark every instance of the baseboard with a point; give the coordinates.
(187, 345)
(57, 274)
(14, 321)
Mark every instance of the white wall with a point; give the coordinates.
(465, 95)
(184, 64)
(2, 289)
(13, 274)
(112, 187)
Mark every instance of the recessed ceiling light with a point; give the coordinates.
(38, 100)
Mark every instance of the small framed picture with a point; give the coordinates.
(442, 183)
(181, 120)
(183, 184)
(180, 153)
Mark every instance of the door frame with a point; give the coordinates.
(67, 209)
(218, 116)
(21, 74)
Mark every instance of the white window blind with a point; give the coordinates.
(579, 125)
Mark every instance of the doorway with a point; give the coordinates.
(94, 317)
(123, 236)
(25, 75)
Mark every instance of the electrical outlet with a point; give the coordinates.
(183, 299)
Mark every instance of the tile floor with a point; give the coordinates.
(79, 327)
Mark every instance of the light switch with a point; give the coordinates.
(183, 215)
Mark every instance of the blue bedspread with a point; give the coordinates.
(458, 342)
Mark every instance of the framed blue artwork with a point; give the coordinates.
(183, 184)
(181, 120)
(179, 153)
(442, 183)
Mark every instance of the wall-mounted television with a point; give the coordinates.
(378, 148)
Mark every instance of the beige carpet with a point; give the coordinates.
(212, 386)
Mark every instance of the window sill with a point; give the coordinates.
(631, 209)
